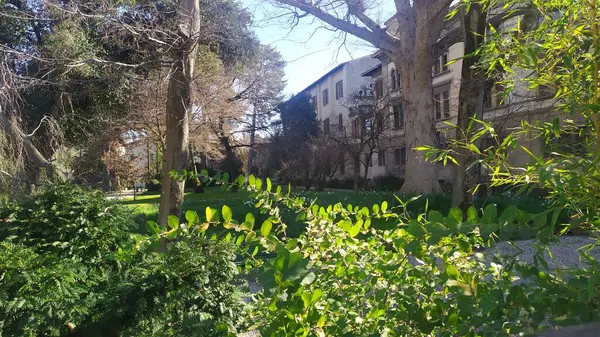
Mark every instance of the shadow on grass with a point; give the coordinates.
(145, 199)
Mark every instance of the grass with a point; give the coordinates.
(146, 206)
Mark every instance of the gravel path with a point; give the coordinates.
(565, 252)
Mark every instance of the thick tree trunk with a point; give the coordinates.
(419, 123)
(472, 86)
(177, 110)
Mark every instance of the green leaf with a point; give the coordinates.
(203, 228)
(173, 221)
(226, 212)
(225, 177)
(472, 214)
(452, 319)
(209, 213)
(416, 229)
(250, 220)
(540, 220)
(316, 295)
(192, 217)
(384, 206)
(269, 185)
(376, 209)
(490, 212)
(279, 263)
(306, 299)
(265, 228)
(435, 216)
(309, 278)
(354, 230)
(153, 226)
(456, 214)
(452, 272)
(251, 180)
(258, 183)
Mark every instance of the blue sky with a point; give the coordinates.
(308, 53)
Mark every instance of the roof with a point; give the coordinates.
(371, 71)
(336, 68)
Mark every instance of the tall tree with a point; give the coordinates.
(298, 126)
(178, 108)
(264, 86)
(471, 101)
(410, 40)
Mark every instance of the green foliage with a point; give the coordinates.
(70, 264)
(424, 276)
(551, 53)
(67, 220)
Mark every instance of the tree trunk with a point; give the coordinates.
(34, 160)
(356, 173)
(472, 86)
(178, 107)
(366, 173)
(251, 149)
(419, 123)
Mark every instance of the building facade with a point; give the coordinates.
(336, 96)
(502, 111)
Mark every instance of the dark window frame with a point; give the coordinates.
(326, 126)
(398, 115)
(381, 158)
(339, 89)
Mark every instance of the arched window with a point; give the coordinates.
(394, 79)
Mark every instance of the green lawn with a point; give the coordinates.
(146, 206)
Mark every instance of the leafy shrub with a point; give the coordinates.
(424, 276)
(67, 268)
(334, 183)
(388, 183)
(153, 185)
(68, 220)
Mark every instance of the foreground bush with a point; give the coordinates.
(65, 268)
(424, 276)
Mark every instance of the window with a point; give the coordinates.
(339, 89)
(381, 158)
(365, 110)
(441, 64)
(494, 95)
(356, 127)
(441, 101)
(400, 156)
(437, 106)
(342, 160)
(378, 88)
(446, 103)
(325, 97)
(313, 102)
(395, 79)
(444, 62)
(398, 117)
(368, 160)
(326, 127)
(341, 122)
